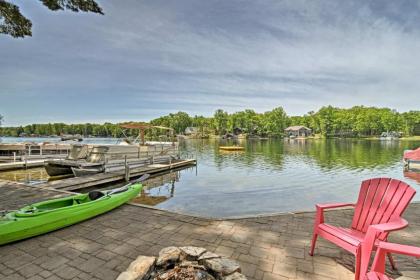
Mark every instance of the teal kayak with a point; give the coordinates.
(49, 215)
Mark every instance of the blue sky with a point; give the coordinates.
(143, 59)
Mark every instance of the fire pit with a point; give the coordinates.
(183, 263)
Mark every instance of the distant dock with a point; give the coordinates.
(31, 152)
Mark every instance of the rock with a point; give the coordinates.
(203, 275)
(140, 268)
(191, 253)
(126, 276)
(235, 276)
(168, 255)
(208, 255)
(222, 266)
(193, 264)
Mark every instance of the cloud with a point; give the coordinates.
(148, 58)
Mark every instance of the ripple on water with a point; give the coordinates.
(274, 176)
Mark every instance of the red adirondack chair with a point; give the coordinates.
(384, 248)
(377, 212)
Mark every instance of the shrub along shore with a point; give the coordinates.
(328, 121)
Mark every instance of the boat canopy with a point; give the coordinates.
(142, 126)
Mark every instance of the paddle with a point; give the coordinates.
(124, 188)
(141, 179)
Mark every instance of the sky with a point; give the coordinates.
(144, 59)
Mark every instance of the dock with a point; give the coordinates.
(78, 183)
(21, 164)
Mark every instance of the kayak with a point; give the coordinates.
(231, 148)
(46, 216)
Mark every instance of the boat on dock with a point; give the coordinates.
(411, 159)
(109, 158)
(76, 137)
(92, 159)
(84, 171)
(46, 216)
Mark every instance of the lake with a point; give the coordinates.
(271, 176)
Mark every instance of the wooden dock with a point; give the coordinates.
(35, 161)
(21, 164)
(78, 183)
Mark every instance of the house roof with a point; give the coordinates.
(297, 127)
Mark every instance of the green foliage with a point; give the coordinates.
(221, 119)
(179, 121)
(13, 23)
(358, 121)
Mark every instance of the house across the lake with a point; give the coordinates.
(298, 131)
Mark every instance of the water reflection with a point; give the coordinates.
(272, 175)
(158, 189)
(30, 176)
(280, 175)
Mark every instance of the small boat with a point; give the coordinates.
(411, 159)
(49, 215)
(80, 171)
(231, 148)
(76, 137)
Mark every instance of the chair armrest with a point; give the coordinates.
(400, 249)
(319, 219)
(392, 225)
(333, 205)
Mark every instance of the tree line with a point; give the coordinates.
(329, 121)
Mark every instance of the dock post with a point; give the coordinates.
(14, 156)
(127, 170)
(26, 162)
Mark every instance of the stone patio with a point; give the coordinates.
(271, 247)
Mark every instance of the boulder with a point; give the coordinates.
(126, 275)
(203, 275)
(222, 266)
(168, 255)
(208, 255)
(140, 268)
(193, 264)
(191, 253)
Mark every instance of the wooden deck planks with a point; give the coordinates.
(76, 183)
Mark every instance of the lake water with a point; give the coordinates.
(273, 176)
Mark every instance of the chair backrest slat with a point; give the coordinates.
(379, 196)
(360, 201)
(379, 200)
(367, 205)
(390, 192)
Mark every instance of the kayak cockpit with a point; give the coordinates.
(62, 203)
(56, 204)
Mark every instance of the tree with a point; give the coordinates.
(221, 119)
(13, 23)
(273, 122)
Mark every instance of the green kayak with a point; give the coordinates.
(53, 214)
